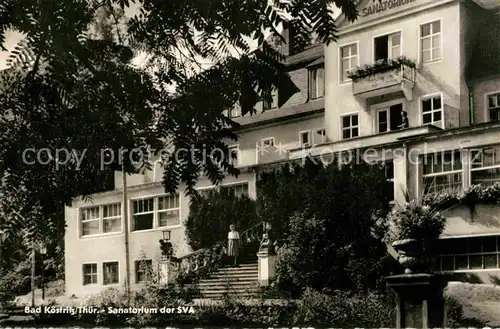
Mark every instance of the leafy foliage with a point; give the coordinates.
(210, 217)
(380, 66)
(293, 188)
(331, 237)
(71, 84)
(415, 221)
(473, 194)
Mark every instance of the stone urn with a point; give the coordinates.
(411, 255)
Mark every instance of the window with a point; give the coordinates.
(350, 127)
(90, 221)
(234, 152)
(316, 82)
(485, 165)
(432, 110)
(143, 214)
(234, 112)
(387, 47)
(268, 142)
(348, 60)
(111, 218)
(101, 219)
(320, 136)
(238, 189)
(469, 253)
(168, 211)
(270, 100)
(110, 273)
(430, 41)
(156, 212)
(89, 274)
(494, 107)
(143, 270)
(442, 172)
(305, 138)
(390, 118)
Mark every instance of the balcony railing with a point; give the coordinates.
(384, 78)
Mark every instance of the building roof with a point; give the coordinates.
(488, 4)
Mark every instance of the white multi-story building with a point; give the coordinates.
(441, 102)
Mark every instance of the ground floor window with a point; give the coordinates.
(474, 253)
(238, 189)
(110, 273)
(143, 270)
(89, 274)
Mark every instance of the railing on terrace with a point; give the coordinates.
(211, 257)
(408, 72)
(384, 77)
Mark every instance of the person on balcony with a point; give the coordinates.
(404, 120)
(233, 244)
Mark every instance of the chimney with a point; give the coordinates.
(285, 47)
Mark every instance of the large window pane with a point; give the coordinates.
(143, 222)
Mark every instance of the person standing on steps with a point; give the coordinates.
(233, 244)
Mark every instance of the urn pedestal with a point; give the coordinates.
(419, 300)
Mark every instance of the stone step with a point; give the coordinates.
(230, 279)
(221, 295)
(227, 284)
(243, 264)
(235, 291)
(234, 277)
(237, 269)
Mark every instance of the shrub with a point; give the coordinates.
(153, 296)
(330, 253)
(55, 288)
(338, 309)
(7, 294)
(343, 309)
(344, 191)
(415, 221)
(210, 217)
(110, 297)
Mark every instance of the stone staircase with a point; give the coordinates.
(237, 282)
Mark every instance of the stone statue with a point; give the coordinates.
(266, 244)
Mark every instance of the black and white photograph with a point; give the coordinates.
(250, 163)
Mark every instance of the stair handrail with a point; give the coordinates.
(204, 257)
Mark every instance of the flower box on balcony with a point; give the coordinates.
(383, 78)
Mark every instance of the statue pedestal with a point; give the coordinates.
(420, 301)
(166, 273)
(267, 267)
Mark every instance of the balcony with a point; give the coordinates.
(384, 78)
